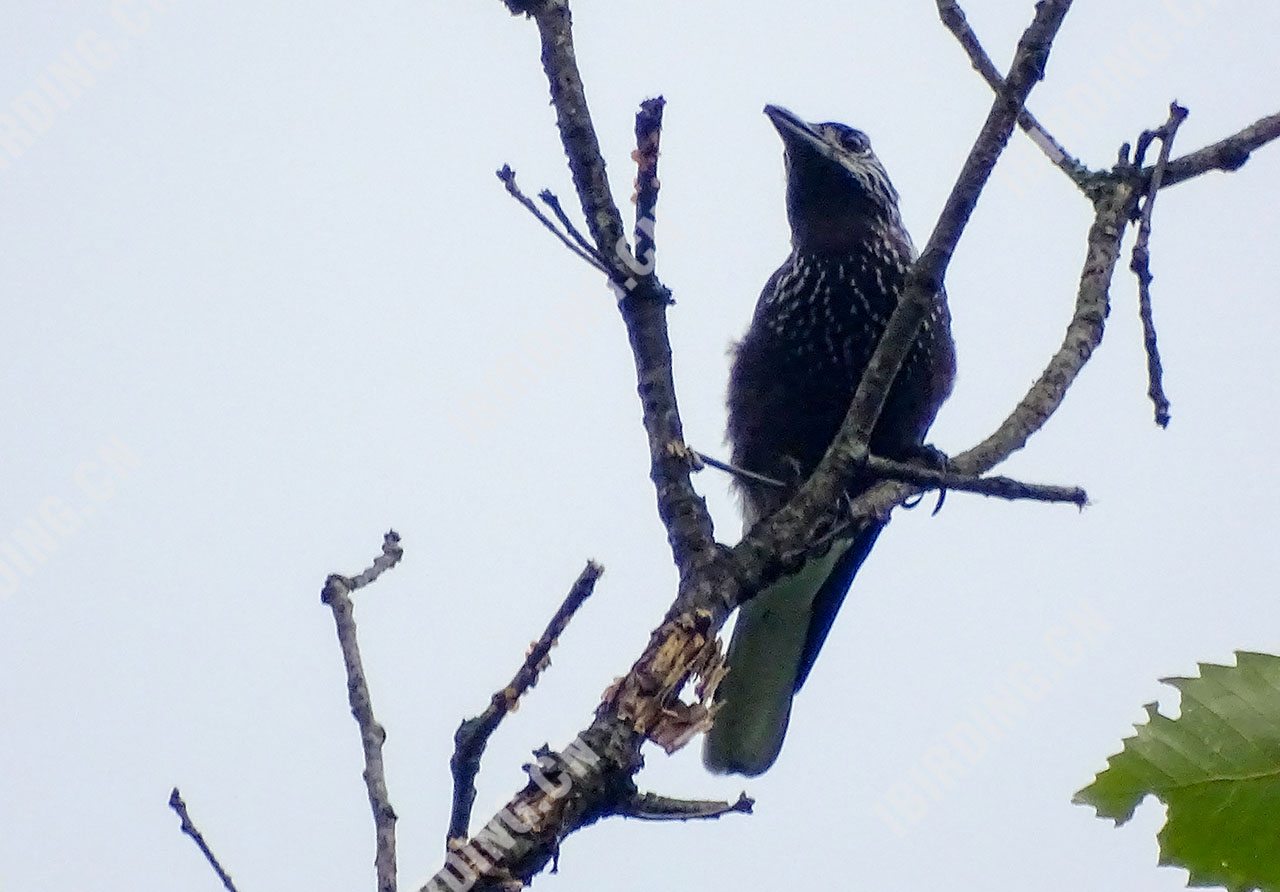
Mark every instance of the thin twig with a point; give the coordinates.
(473, 734)
(1140, 264)
(994, 486)
(508, 177)
(337, 594)
(551, 200)
(933, 478)
(740, 473)
(954, 18)
(652, 807)
(189, 828)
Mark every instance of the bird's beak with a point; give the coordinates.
(795, 132)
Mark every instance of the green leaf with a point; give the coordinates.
(1217, 768)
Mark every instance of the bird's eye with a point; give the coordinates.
(856, 142)
(851, 140)
(847, 138)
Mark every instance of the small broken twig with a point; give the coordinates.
(648, 137)
(189, 828)
(1140, 264)
(473, 734)
(337, 594)
(652, 807)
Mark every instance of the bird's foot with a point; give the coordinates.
(934, 459)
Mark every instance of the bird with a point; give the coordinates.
(793, 377)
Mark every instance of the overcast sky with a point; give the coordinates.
(264, 299)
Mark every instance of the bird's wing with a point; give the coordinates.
(827, 601)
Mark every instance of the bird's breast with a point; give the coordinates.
(815, 328)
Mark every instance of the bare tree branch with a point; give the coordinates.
(993, 487)
(190, 829)
(337, 594)
(643, 299)
(1140, 263)
(1226, 154)
(1083, 334)
(577, 131)
(473, 734)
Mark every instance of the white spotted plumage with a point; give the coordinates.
(818, 320)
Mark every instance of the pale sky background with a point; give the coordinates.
(264, 299)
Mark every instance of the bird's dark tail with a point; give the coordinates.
(775, 642)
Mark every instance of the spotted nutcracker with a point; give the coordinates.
(794, 374)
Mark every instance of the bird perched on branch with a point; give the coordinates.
(793, 378)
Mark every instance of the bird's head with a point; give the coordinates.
(837, 190)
